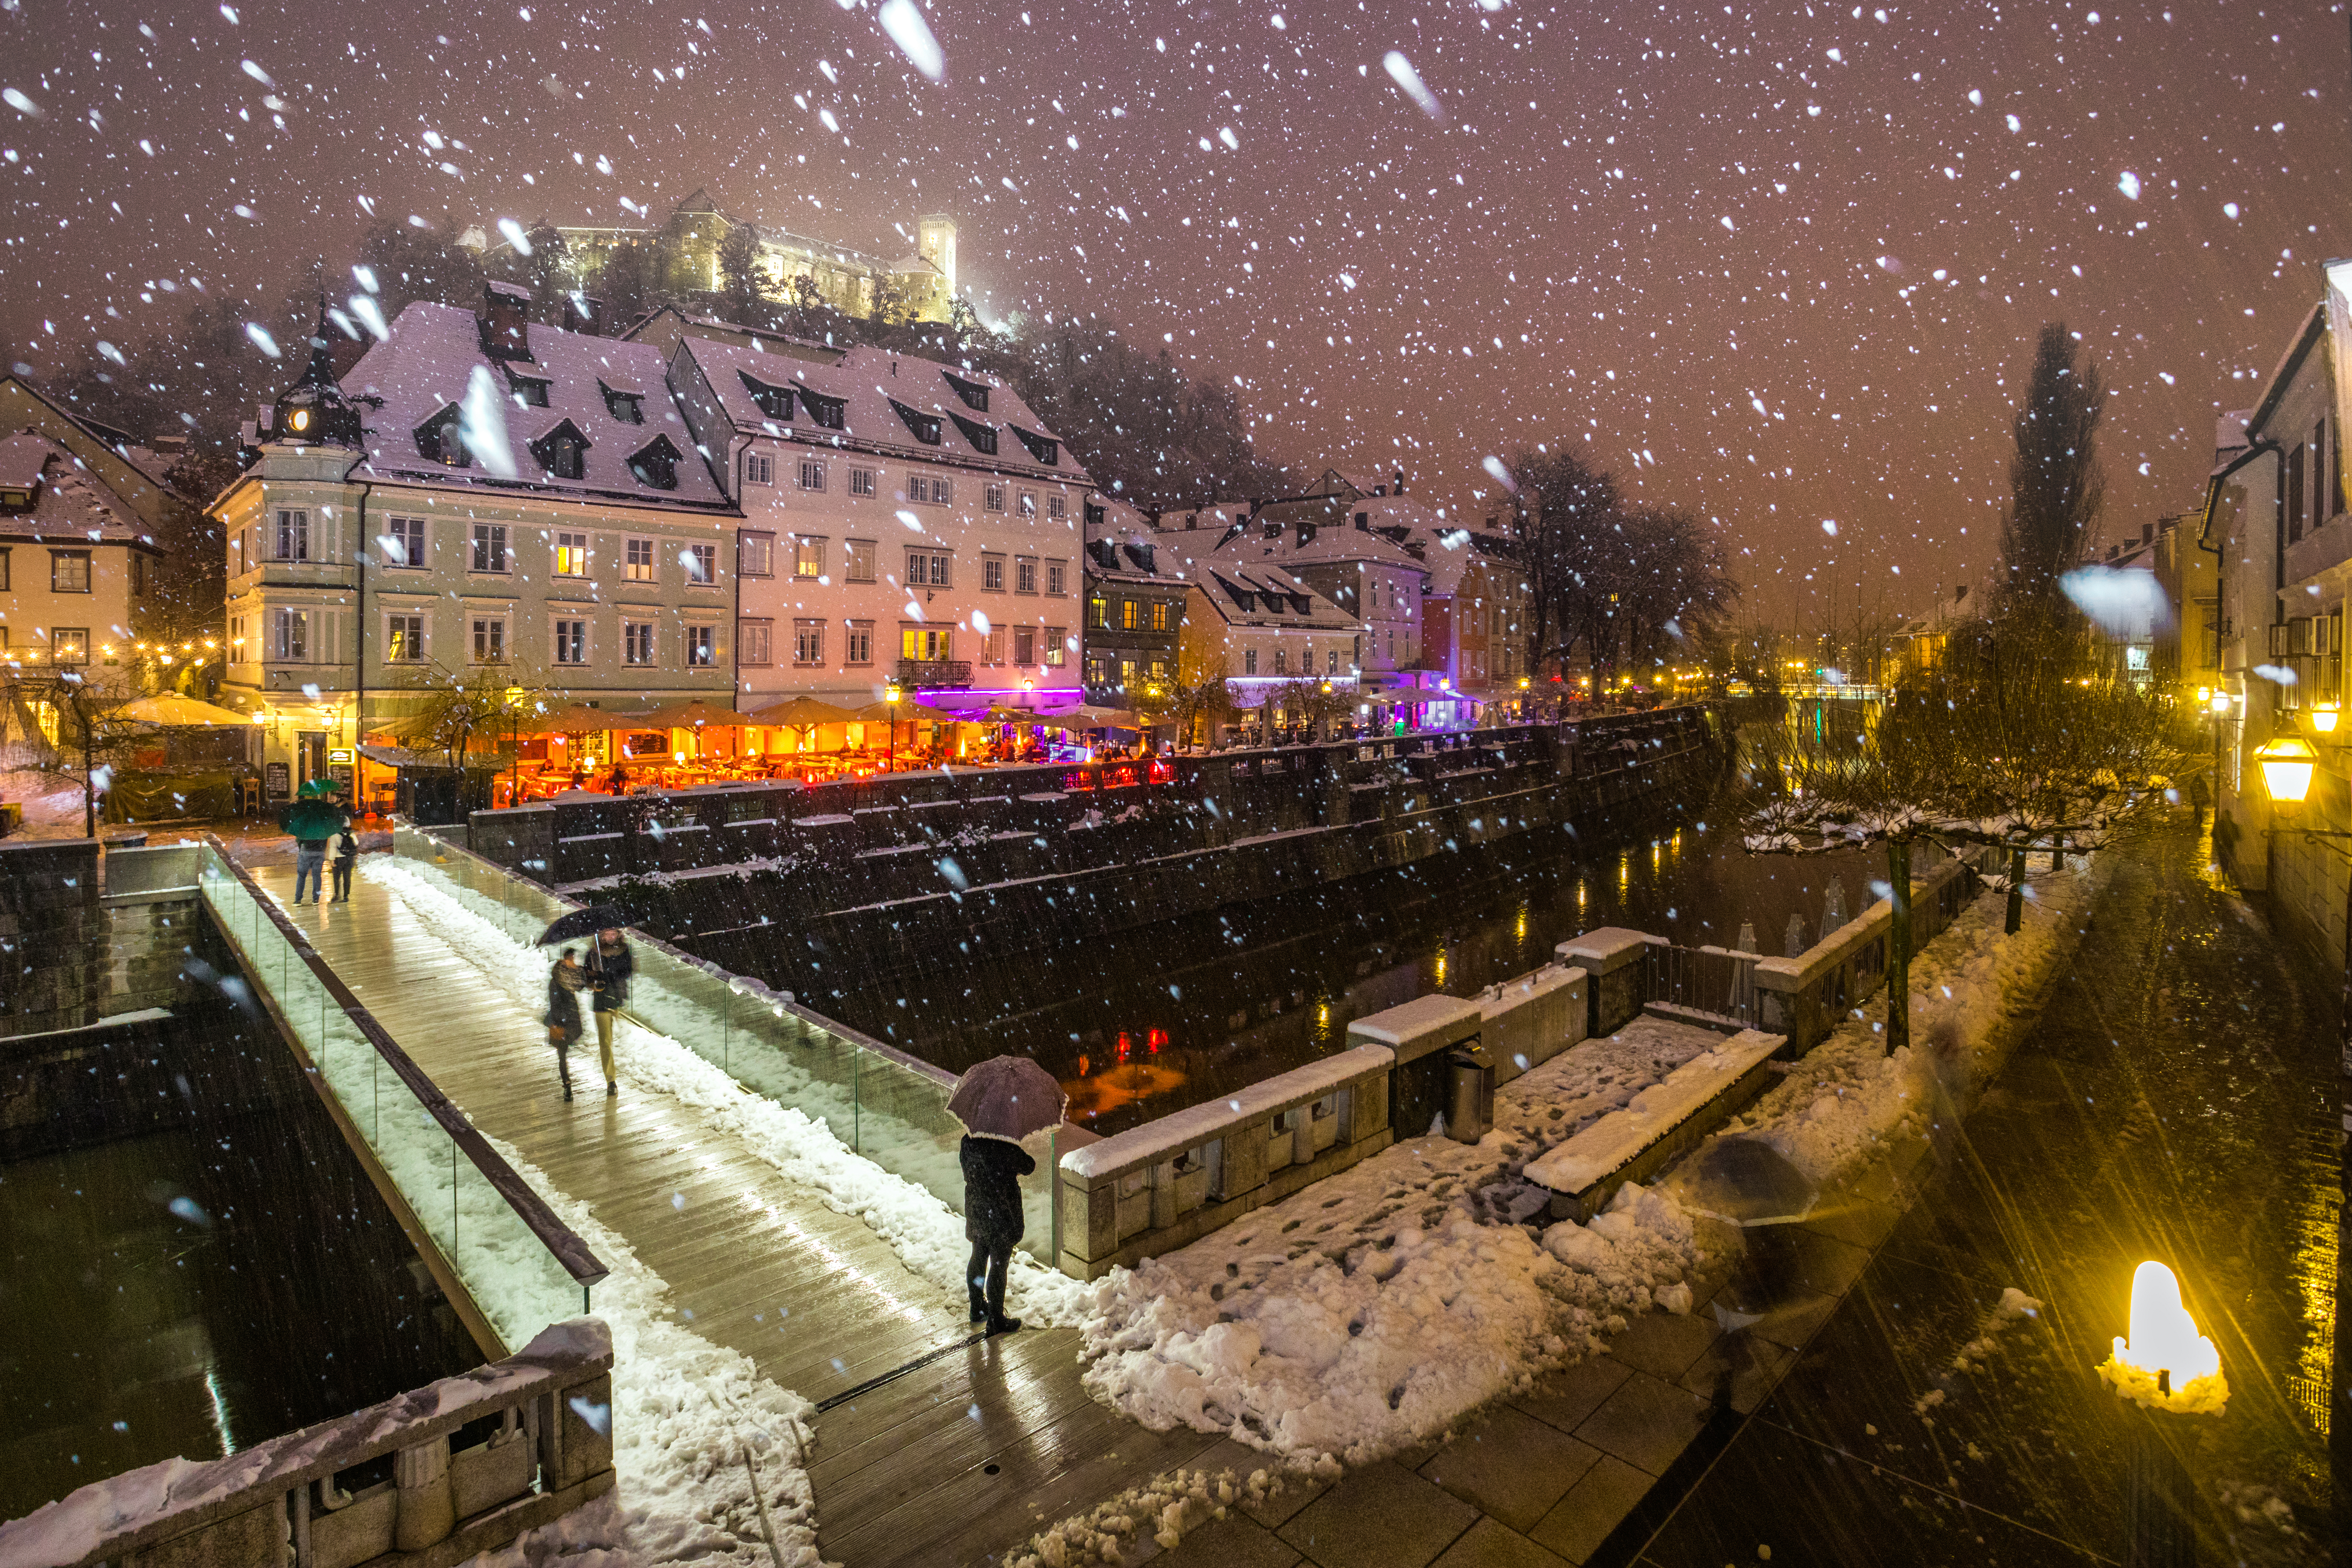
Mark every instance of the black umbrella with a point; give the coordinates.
(587, 922)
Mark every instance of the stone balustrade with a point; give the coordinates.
(1807, 997)
(476, 1461)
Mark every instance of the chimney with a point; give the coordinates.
(583, 315)
(506, 320)
(1396, 486)
(2148, 533)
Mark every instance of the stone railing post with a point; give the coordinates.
(429, 1506)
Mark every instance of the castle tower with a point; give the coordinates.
(935, 242)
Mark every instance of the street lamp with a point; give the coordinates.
(2169, 1370)
(514, 695)
(890, 695)
(2287, 763)
(2324, 717)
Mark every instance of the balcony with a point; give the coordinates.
(930, 674)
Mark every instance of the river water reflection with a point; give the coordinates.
(1184, 1011)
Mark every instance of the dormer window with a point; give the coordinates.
(623, 404)
(441, 439)
(1043, 449)
(830, 412)
(974, 396)
(562, 451)
(926, 427)
(775, 401)
(981, 437)
(655, 464)
(531, 390)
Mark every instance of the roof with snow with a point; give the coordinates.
(896, 404)
(67, 502)
(435, 361)
(1246, 593)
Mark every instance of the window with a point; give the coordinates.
(403, 638)
(71, 645)
(2295, 495)
(571, 642)
(861, 482)
(759, 469)
(1057, 647)
(1249, 661)
(992, 497)
(808, 558)
(655, 465)
(290, 637)
(754, 642)
(981, 437)
(812, 474)
(489, 639)
(808, 642)
(861, 643)
(1160, 614)
(701, 564)
(1024, 573)
(562, 452)
(1281, 661)
(1024, 645)
(859, 565)
(1056, 576)
(1331, 666)
(572, 556)
(925, 426)
(636, 642)
(831, 413)
(293, 535)
(637, 561)
(1044, 448)
(926, 645)
(992, 648)
(403, 541)
(4, 577)
(755, 555)
(490, 547)
(1028, 504)
(701, 646)
(1098, 612)
(627, 406)
(935, 492)
(974, 396)
(775, 401)
(942, 492)
(68, 571)
(441, 439)
(1129, 615)
(1058, 506)
(992, 573)
(926, 568)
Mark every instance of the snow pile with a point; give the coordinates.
(925, 1233)
(1375, 1308)
(1166, 1506)
(687, 1416)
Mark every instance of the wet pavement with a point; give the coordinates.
(2177, 1100)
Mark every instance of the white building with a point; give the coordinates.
(902, 519)
(489, 496)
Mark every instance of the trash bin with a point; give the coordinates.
(1470, 1102)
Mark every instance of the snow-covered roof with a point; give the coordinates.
(1246, 593)
(433, 358)
(871, 385)
(69, 503)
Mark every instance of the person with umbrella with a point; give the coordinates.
(312, 819)
(611, 963)
(1002, 1101)
(564, 983)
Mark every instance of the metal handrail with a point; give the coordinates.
(586, 1269)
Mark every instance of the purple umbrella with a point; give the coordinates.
(1007, 1096)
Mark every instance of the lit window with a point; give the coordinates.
(572, 556)
(808, 558)
(71, 645)
(403, 639)
(637, 561)
(70, 570)
(1057, 647)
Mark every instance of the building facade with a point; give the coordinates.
(902, 519)
(490, 499)
(77, 564)
(1135, 610)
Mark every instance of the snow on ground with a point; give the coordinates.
(925, 1233)
(686, 1415)
(1374, 1308)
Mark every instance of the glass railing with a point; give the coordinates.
(522, 1265)
(882, 1103)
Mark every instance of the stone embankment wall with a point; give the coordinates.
(876, 874)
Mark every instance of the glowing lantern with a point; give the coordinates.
(2287, 763)
(2323, 718)
(2164, 1362)
(2221, 703)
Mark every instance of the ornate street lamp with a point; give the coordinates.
(2287, 762)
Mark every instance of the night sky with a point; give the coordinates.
(1630, 228)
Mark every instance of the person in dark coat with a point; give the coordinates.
(564, 983)
(344, 854)
(611, 963)
(992, 1223)
(312, 821)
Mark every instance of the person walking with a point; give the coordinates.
(564, 983)
(992, 1222)
(346, 855)
(312, 820)
(611, 963)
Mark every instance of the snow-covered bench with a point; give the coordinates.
(1662, 1122)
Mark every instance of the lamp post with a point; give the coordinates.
(2172, 1373)
(514, 745)
(890, 695)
